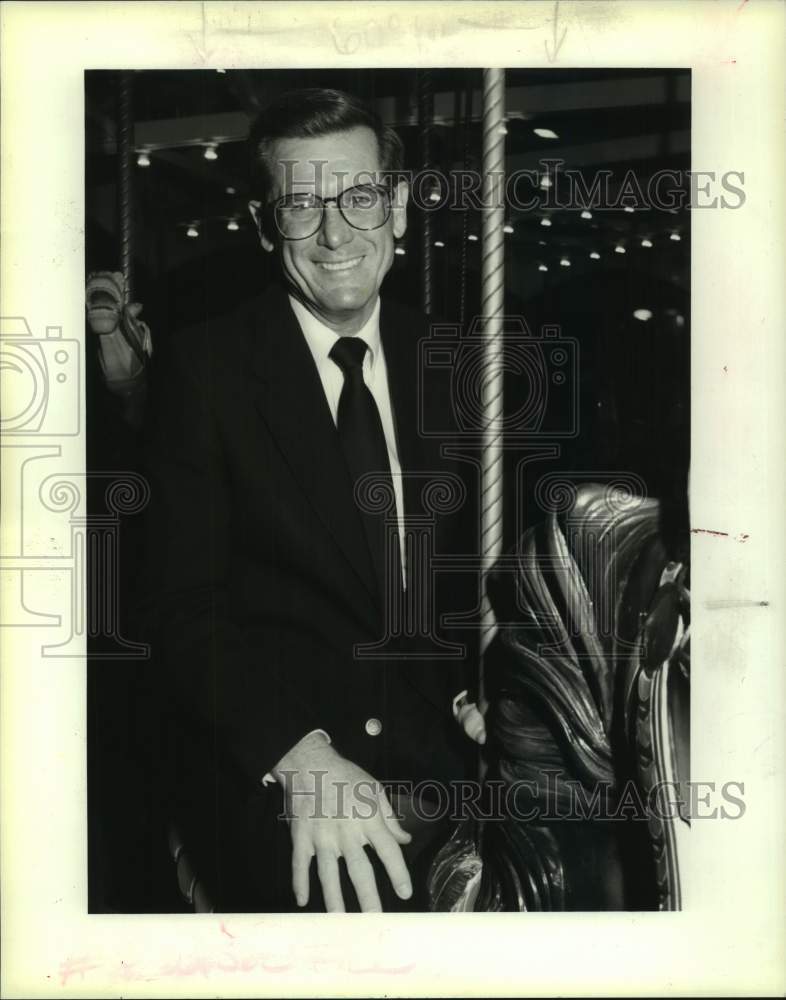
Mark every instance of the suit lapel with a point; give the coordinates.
(417, 454)
(291, 400)
(401, 357)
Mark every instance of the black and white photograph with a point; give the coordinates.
(390, 411)
(483, 346)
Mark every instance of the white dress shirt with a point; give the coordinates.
(320, 340)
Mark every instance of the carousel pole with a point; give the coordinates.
(492, 310)
(466, 129)
(125, 150)
(426, 120)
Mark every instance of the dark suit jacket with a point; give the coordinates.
(260, 582)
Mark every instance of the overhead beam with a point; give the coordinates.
(525, 101)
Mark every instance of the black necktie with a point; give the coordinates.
(363, 441)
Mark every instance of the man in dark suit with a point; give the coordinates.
(267, 568)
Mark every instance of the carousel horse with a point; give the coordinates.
(124, 341)
(588, 725)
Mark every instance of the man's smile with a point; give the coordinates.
(340, 265)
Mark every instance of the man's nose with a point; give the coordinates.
(335, 230)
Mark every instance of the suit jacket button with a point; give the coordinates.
(373, 727)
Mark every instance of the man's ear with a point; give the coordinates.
(399, 209)
(255, 208)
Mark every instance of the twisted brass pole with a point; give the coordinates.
(426, 121)
(125, 143)
(492, 310)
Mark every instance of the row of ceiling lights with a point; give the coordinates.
(210, 152)
(233, 225)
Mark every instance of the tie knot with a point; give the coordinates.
(348, 353)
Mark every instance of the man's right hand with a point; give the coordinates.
(335, 809)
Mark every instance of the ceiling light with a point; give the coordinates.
(232, 225)
(545, 181)
(595, 255)
(564, 262)
(438, 243)
(472, 238)
(676, 237)
(400, 251)
(503, 129)
(542, 267)
(586, 214)
(192, 231)
(545, 133)
(231, 190)
(507, 228)
(642, 314)
(619, 248)
(211, 152)
(646, 243)
(143, 160)
(545, 222)
(628, 208)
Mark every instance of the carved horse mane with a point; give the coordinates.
(588, 684)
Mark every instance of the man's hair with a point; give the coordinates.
(310, 113)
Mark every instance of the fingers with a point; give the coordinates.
(390, 855)
(327, 868)
(472, 721)
(302, 853)
(475, 726)
(392, 824)
(362, 875)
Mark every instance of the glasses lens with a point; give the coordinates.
(365, 207)
(298, 215)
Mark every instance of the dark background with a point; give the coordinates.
(633, 376)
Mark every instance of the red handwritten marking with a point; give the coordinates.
(206, 965)
(741, 5)
(75, 967)
(225, 931)
(388, 970)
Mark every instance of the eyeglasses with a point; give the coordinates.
(300, 215)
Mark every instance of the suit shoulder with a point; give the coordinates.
(404, 316)
(216, 344)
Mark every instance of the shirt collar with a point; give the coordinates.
(321, 338)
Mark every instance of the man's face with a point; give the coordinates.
(338, 271)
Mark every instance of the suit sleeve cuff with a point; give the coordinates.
(268, 779)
